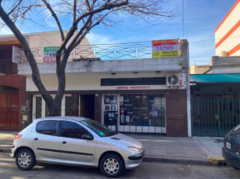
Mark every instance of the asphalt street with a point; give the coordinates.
(8, 170)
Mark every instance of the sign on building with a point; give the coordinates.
(165, 48)
(49, 54)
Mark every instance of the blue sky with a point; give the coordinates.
(201, 19)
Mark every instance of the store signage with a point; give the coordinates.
(132, 87)
(49, 54)
(165, 48)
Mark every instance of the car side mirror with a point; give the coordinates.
(87, 137)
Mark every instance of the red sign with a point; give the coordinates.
(165, 42)
(49, 59)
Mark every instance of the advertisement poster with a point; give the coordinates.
(165, 48)
(49, 54)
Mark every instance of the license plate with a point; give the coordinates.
(228, 145)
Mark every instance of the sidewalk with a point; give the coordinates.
(6, 140)
(189, 150)
(195, 150)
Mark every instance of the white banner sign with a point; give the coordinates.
(165, 47)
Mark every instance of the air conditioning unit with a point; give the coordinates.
(172, 80)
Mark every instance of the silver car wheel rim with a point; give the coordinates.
(111, 166)
(24, 159)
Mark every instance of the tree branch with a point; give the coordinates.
(55, 17)
(14, 8)
(106, 6)
(74, 10)
(88, 5)
(86, 24)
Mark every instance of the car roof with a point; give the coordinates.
(70, 118)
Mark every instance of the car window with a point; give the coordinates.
(72, 130)
(47, 127)
(237, 128)
(235, 132)
(98, 128)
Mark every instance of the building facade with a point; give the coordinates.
(12, 87)
(127, 95)
(227, 34)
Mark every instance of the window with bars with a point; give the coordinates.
(133, 81)
(38, 111)
(68, 105)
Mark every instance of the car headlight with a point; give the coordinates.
(135, 149)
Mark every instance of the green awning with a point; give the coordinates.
(215, 78)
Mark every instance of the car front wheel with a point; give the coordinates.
(25, 159)
(111, 165)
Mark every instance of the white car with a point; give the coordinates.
(76, 140)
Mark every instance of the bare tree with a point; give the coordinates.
(83, 15)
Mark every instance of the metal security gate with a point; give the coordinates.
(214, 117)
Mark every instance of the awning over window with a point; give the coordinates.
(215, 78)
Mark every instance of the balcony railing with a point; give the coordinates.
(114, 51)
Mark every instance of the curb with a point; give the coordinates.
(176, 160)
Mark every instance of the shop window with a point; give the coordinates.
(143, 109)
(38, 111)
(133, 81)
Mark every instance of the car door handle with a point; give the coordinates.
(64, 142)
(35, 139)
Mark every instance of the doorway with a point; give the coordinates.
(87, 106)
(9, 110)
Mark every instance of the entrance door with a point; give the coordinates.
(87, 106)
(9, 110)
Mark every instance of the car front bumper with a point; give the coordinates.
(134, 160)
(231, 157)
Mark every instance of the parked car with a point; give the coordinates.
(78, 141)
(231, 148)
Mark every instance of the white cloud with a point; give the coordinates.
(94, 38)
(5, 30)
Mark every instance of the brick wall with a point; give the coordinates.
(19, 82)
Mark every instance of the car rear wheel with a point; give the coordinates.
(25, 159)
(236, 168)
(111, 165)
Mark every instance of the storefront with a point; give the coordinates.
(138, 112)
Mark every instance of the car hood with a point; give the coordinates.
(126, 140)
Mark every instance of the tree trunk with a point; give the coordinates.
(54, 107)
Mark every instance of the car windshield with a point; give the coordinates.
(98, 128)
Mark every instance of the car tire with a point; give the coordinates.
(25, 159)
(111, 165)
(236, 168)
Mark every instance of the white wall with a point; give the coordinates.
(234, 38)
(89, 81)
(37, 42)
